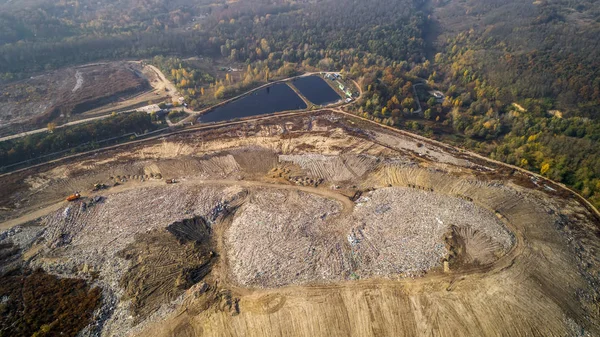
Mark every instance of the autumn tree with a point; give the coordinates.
(427, 114)
(545, 168)
(220, 92)
(51, 127)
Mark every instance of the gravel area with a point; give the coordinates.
(280, 238)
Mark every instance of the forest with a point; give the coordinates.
(521, 79)
(526, 90)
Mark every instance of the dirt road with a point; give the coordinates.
(533, 290)
(33, 132)
(347, 204)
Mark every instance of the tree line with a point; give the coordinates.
(59, 139)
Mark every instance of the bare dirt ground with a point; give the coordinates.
(159, 89)
(64, 95)
(155, 94)
(314, 225)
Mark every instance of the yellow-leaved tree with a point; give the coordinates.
(545, 168)
(220, 92)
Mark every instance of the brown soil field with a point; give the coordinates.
(318, 224)
(64, 94)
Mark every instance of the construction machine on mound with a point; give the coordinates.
(74, 196)
(99, 186)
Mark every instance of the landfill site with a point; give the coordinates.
(313, 224)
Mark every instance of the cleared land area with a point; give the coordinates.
(313, 225)
(71, 94)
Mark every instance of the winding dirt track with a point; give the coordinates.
(346, 203)
(522, 293)
(590, 207)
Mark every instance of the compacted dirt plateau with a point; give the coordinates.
(309, 226)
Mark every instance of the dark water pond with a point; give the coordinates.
(275, 98)
(316, 90)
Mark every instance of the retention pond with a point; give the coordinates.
(275, 98)
(316, 90)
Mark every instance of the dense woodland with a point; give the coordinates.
(524, 90)
(524, 84)
(521, 79)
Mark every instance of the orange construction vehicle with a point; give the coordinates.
(74, 197)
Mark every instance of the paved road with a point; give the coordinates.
(205, 126)
(164, 82)
(32, 132)
(186, 130)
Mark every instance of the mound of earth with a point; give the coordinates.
(163, 268)
(315, 224)
(280, 238)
